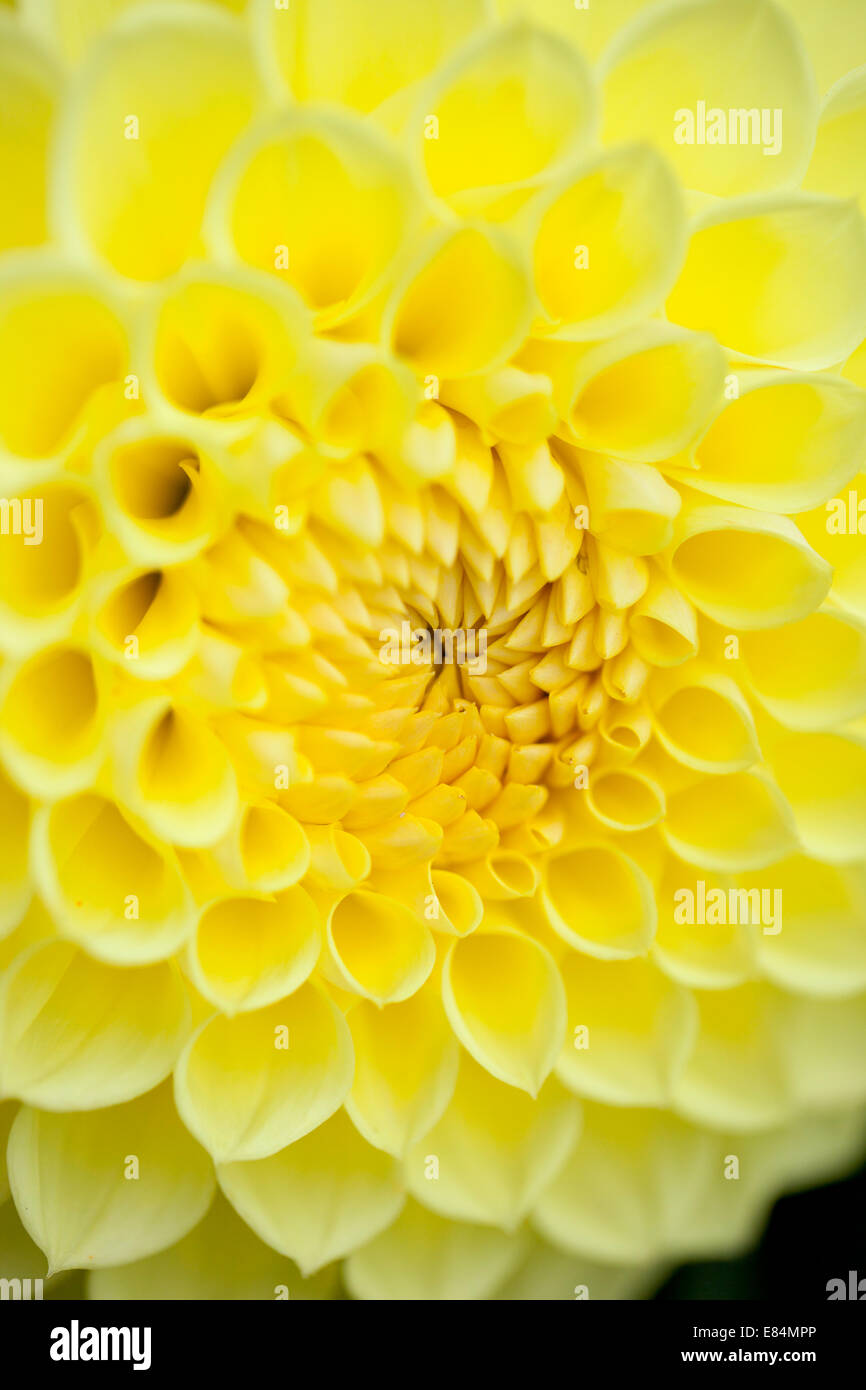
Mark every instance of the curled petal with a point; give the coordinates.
(320, 1198)
(784, 444)
(72, 1181)
(29, 80)
(811, 674)
(221, 343)
(599, 901)
(61, 340)
(702, 720)
(631, 506)
(158, 492)
(509, 109)
(505, 1002)
(52, 721)
(496, 1150)
(740, 55)
(823, 777)
(646, 394)
(250, 951)
(463, 306)
(629, 1030)
(717, 553)
(79, 1035)
(248, 1086)
(298, 173)
(134, 193)
(406, 1061)
(608, 243)
(379, 947)
(422, 1257)
(837, 163)
(172, 771)
(770, 246)
(356, 53)
(110, 887)
(740, 821)
(221, 1258)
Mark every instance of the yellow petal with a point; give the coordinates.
(380, 948)
(647, 393)
(837, 163)
(71, 28)
(15, 888)
(642, 1185)
(740, 55)
(821, 1030)
(350, 396)
(811, 674)
(702, 720)
(221, 342)
(746, 569)
(148, 622)
(770, 246)
(608, 243)
(622, 799)
(251, 951)
(506, 404)
(835, 531)
(267, 850)
(505, 1002)
(42, 586)
(629, 1030)
(631, 507)
(219, 1259)
(821, 949)
(422, 1257)
(153, 110)
(835, 40)
(786, 443)
(172, 771)
(463, 306)
(735, 1076)
(30, 82)
(740, 821)
(60, 341)
(512, 105)
(405, 1069)
(599, 901)
(496, 1151)
(356, 52)
(701, 956)
(110, 888)
(158, 491)
(52, 722)
(823, 777)
(589, 28)
(320, 200)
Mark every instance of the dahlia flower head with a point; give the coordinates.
(433, 629)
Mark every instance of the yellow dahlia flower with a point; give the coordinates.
(433, 627)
